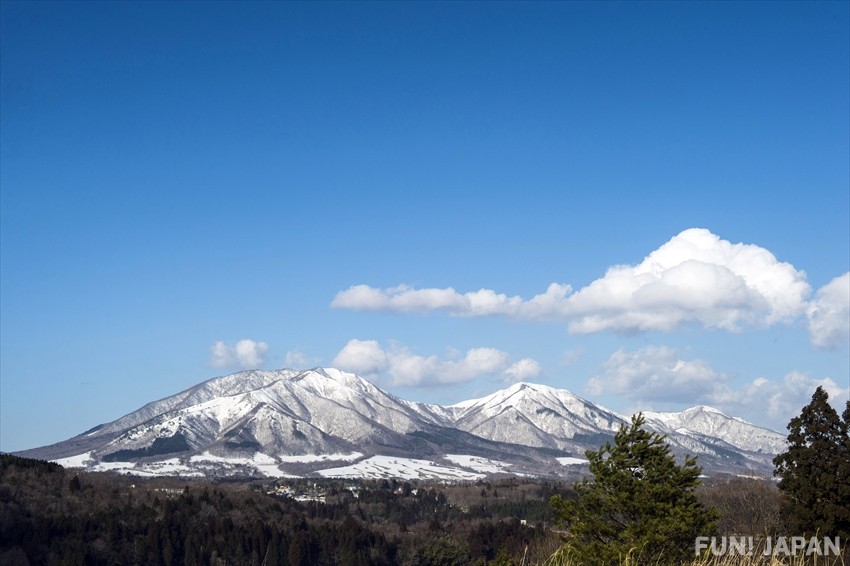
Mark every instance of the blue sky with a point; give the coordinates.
(189, 189)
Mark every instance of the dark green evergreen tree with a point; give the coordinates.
(814, 471)
(844, 469)
(640, 504)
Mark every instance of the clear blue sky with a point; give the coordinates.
(188, 189)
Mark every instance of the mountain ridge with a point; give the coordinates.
(262, 421)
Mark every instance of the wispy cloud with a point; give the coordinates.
(657, 373)
(404, 368)
(781, 400)
(829, 315)
(245, 354)
(483, 302)
(572, 356)
(695, 278)
(658, 377)
(296, 359)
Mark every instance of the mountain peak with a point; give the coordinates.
(704, 409)
(697, 411)
(514, 394)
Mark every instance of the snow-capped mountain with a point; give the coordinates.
(325, 421)
(710, 422)
(282, 412)
(542, 416)
(535, 415)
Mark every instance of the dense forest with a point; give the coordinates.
(50, 515)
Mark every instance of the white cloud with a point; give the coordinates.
(656, 373)
(363, 357)
(572, 356)
(696, 277)
(658, 377)
(245, 354)
(522, 370)
(296, 359)
(405, 368)
(779, 401)
(829, 315)
(483, 302)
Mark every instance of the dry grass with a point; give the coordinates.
(562, 557)
(769, 561)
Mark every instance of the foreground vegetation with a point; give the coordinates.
(639, 498)
(641, 506)
(562, 558)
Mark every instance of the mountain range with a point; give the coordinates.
(326, 422)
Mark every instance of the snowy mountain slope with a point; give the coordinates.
(534, 415)
(282, 412)
(283, 422)
(710, 422)
(225, 386)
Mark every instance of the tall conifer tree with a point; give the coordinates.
(814, 471)
(640, 504)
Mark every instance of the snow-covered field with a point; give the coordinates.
(267, 466)
(570, 461)
(263, 463)
(78, 461)
(312, 458)
(403, 468)
(466, 467)
(170, 467)
(483, 465)
(197, 466)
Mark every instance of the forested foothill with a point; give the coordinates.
(52, 515)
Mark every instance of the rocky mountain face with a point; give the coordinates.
(328, 422)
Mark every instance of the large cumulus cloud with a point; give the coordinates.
(694, 278)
